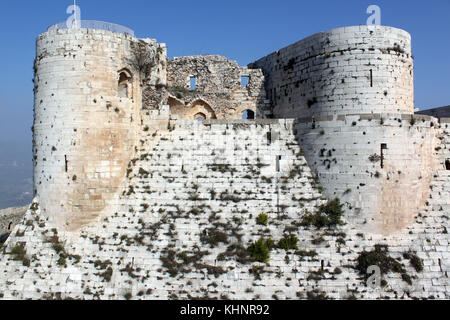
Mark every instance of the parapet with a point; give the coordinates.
(92, 24)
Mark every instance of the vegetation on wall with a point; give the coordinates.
(328, 215)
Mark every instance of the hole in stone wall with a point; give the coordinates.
(66, 162)
(371, 78)
(9, 226)
(200, 116)
(248, 114)
(278, 159)
(193, 83)
(447, 164)
(269, 138)
(383, 147)
(244, 81)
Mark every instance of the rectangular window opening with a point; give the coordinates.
(371, 78)
(193, 83)
(269, 137)
(278, 163)
(383, 147)
(244, 81)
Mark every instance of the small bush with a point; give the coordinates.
(61, 261)
(262, 219)
(213, 237)
(260, 250)
(288, 242)
(379, 257)
(374, 158)
(328, 215)
(415, 261)
(304, 253)
(19, 254)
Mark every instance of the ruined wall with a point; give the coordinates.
(346, 153)
(10, 217)
(361, 69)
(443, 146)
(84, 125)
(218, 93)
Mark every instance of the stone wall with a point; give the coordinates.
(361, 69)
(84, 129)
(187, 213)
(219, 92)
(10, 217)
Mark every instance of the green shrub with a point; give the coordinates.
(379, 257)
(329, 215)
(262, 219)
(213, 237)
(61, 261)
(34, 206)
(288, 242)
(19, 254)
(415, 261)
(260, 250)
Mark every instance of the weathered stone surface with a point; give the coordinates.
(10, 217)
(136, 199)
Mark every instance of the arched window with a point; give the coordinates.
(125, 88)
(447, 164)
(200, 116)
(248, 114)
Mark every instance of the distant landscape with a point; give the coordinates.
(16, 173)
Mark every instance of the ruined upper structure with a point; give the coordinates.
(350, 90)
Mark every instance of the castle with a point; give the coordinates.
(150, 184)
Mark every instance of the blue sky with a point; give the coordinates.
(240, 30)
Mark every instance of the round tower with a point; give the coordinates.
(351, 92)
(360, 69)
(86, 119)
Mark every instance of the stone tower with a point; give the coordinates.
(351, 91)
(86, 116)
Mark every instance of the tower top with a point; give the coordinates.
(93, 24)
